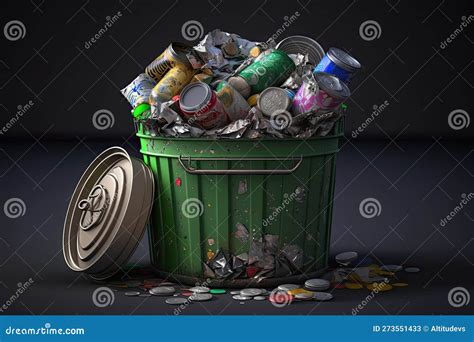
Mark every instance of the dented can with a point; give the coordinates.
(331, 91)
(235, 105)
(200, 106)
(175, 54)
(305, 98)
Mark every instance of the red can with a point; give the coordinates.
(200, 106)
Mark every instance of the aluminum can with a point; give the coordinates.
(200, 106)
(174, 55)
(338, 63)
(272, 69)
(274, 99)
(305, 98)
(235, 105)
(331, 91)
(171, 84)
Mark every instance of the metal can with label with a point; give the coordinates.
(305, 98)
(200, 106)
(331, 91)
(171, 84)
(235, 105)
(174, 55)
(139, 90)
(274, 99)
(338, 63)
(271, 69)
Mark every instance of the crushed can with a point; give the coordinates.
(199, 105)
(305, 98)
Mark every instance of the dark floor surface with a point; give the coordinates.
(416, 183)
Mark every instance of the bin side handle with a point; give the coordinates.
(189, 169)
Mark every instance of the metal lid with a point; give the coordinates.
(273, 99)
(343, 59)
(194, 96)
(332, 85)
(303, 45)
(107, 214)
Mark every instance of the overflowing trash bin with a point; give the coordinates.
(241, 140)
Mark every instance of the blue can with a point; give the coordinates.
(338, 63)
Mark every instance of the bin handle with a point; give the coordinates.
(189, 169)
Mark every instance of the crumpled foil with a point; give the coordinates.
(218, 48)
(221, 265)
(255, 126)
(226, 54)
(303, 68)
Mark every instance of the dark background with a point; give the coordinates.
(410, 159)
(69, 83)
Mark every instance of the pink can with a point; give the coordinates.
(324, 91)
(305, 98)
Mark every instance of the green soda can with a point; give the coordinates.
(269, 70)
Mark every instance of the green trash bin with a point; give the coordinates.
(205, 188)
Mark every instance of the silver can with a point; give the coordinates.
(274, 99)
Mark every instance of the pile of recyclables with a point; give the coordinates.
(230, 87)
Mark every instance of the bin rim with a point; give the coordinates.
(146, 136)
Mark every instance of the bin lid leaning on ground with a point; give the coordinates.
(107, 214)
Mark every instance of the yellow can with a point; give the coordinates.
(174, 55)
(171, 84)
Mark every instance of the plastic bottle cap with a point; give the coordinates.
(140, 109)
